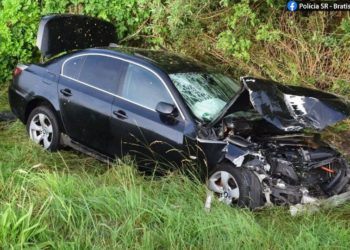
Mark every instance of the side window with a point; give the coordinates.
(143, 87)
(72, 67)
(102, 72)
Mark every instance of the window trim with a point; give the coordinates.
(115, 95)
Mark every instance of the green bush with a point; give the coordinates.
(19, 21)
(18, 25)
(243, 37)
(260, 38)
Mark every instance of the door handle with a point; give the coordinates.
(66, 92)
(120, 114)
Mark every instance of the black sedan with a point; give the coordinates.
(168, 110)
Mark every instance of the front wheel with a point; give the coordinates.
(43, 129)
(236, 186)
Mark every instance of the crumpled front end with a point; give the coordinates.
(301, 169)
(291, 169)
(263, 132)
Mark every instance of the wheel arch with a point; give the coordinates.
(41, 101)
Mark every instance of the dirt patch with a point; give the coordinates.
(342, 141)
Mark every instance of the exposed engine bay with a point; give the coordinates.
(292, 168)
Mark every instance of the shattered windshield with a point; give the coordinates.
(205, 93)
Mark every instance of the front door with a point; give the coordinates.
(143, 132)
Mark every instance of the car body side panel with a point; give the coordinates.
(18, 103)
(144, 134)
(211, 152)
(34, 83)
(145, 64)
(85, 114)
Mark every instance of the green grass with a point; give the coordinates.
(66, 200)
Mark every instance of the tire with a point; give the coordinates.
(43, 129)
(236, 186)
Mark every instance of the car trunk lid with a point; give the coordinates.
(60, 33)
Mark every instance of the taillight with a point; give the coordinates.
(17, 71)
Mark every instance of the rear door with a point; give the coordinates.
(137, 128)
(86, 94)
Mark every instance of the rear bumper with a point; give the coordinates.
(17, 103)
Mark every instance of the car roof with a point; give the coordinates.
(167, 61)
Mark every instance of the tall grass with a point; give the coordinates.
(66, 200)
(309, 52)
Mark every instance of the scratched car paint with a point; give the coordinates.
(248, 134)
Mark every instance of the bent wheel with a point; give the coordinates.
(43, 129)
(236, 186)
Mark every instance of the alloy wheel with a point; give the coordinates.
(41, 130)
(224, 184)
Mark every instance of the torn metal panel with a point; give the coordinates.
(60, 33)
(313, 112)
(235, 154)
(217, 151)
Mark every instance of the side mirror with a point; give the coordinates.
(167, 110)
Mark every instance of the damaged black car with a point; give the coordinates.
(109, 101)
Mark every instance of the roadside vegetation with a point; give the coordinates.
(246, 37)
(67, 200)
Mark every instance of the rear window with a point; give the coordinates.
(72, 67)
(102, 72)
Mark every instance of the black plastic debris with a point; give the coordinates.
(7, 117)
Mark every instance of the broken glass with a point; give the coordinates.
(206, 94)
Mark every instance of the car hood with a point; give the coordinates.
(294, 108)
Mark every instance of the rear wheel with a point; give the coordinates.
(236, 186)
(43, 129)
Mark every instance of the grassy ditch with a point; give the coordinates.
(66, 200)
